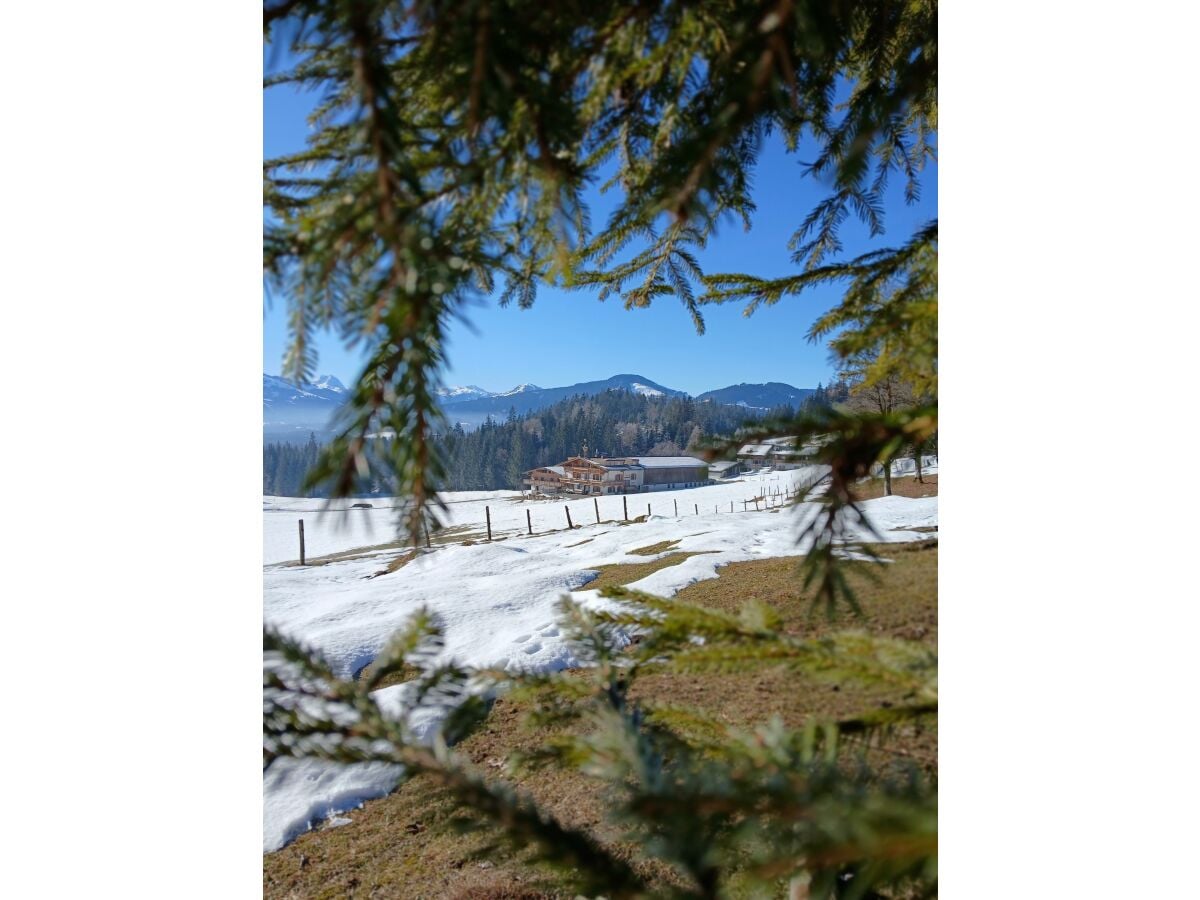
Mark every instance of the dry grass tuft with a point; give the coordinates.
(652, 549)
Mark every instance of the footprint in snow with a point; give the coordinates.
(532, 648)
(549, 631)
(521, 638)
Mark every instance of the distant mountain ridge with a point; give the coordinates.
(758, 396)
(291, 411)
(528, 397)
(461, 393)
(289, 408)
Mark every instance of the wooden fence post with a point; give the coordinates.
(596, 503)
(301, 542)
(731, 506)
(744, 506)
(428, 543)
(488, 512)
(529, 522)
(676, 502)
(568, 509)
(697, 509)
(625, 504)
(647, 510)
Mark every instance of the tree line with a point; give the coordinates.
(493, 456)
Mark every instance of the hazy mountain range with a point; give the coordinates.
(291, 411)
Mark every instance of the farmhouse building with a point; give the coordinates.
(619, 475)
(544, 480)
(755, 455)
(778, 453)
(600, 476)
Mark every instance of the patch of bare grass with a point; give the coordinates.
(396, 564)
(620, 574)
(403, 846)
(345, 555)
(652, 549)
(902, 486)
(452, 535)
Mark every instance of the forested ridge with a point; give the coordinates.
(493, 456)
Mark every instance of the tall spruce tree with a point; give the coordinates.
(448, 158)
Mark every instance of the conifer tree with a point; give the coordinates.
(448, 158)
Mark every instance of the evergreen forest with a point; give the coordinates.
(493, 456)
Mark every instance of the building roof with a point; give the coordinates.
(806, 450)
(664, 462)
(722, 465)
(582, 461)
(632, 463)
(755, 449)
(557, 470)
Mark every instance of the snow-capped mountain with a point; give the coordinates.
(645, 390)
(291, 412)
(461, 393)
(519, 389)
(329, 383)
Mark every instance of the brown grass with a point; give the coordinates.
(902, 486)
(652, 549)
(619, 574)
(451, 535)
(401, 846)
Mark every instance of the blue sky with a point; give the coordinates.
(569, 337)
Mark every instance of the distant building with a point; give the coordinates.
(662, 473)
(600, 476)
(631, 474)
(544, 480)
(778, 453)
(755, 455)
(724, 469)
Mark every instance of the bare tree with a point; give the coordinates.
(627, 434)
(883, 395)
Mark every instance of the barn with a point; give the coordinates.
(726, 468)
(626, 474)
(661, 473)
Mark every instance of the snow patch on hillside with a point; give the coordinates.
(497, 600)
(646, 391)
(330, 383)
(519, 389)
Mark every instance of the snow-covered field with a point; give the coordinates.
(497, 599)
